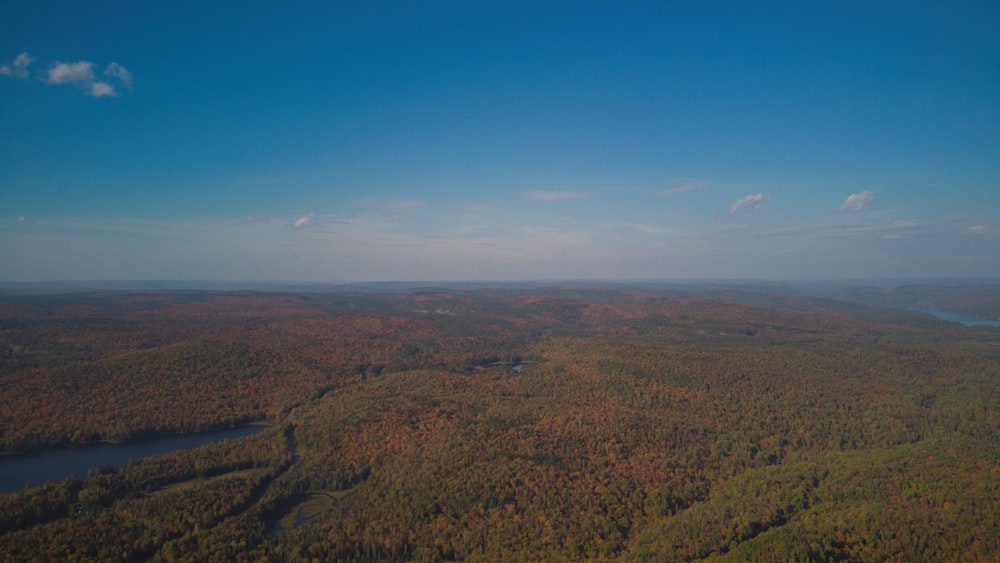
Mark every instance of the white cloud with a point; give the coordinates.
(101, 89)
(859, 201)
(118, 71)
(81, 74)
(19, 68)
(21, 219)
(254, 219)
(553, 195)
(304, 221)
(752, 201)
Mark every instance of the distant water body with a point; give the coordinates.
(957, 317)
(31, 470)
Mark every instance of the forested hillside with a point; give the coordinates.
(564, 423)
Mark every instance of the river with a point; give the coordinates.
(31, 470)
(957, 317)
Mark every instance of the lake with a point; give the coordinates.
(31, 470)
(958, 317)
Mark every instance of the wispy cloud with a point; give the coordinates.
(541, 240)
(895, 230)
(691, 186)
(304, 221)
(646, 229)
(859, 201)
(554, 195)
(478, 208)
(81, 74)
(891, 229)
(254, 219)
(392, 203)
(508, 247)
(750, 202)
(18, 68)
(982, 229)
(120, 73)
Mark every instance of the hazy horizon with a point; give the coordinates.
(514, 141)
(804, 286)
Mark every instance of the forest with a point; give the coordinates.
(508, 423)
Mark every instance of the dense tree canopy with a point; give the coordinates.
(566, 423)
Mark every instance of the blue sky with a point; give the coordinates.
(499, 140)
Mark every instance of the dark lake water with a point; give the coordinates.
(958, 317)
(32, 470)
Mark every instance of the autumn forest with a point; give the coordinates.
(496, 423)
